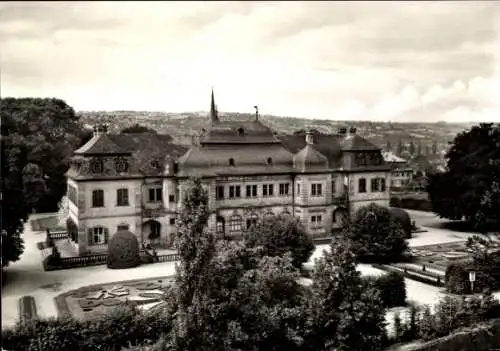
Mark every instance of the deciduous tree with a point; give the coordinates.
(280, 235)
(376, 235)
(38, 138)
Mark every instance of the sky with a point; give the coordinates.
(380, 61)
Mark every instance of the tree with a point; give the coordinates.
(196, 248)
(434, 148)
(38, 139)
(346, 315)
(388, 146)
(469, 187)
(401, 147)
(230, 296)
(411, 148)
(137, 128)
(280, 235)
(376, 235)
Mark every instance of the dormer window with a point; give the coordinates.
(231, 161)
(155, 164)
(121, 166)
(269, 161)
(96, 166)
(241, 131)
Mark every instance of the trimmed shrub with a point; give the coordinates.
(123, 251)
(403, 218)
(119, 329)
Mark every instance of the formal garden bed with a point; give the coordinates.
(100, 299)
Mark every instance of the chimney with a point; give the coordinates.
(352, 130)
(309, 137)
(342, 130)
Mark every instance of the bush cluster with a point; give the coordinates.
(392, 288)
(122, 328)
(411, 203)
(457, 278)
(123, 251)
(451, 313)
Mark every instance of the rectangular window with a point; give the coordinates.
(172, 221)
(234, 192)
(155, 195)
(98, 198)
(122, 197)
(298, 189)
(267, 190)
(284, 188)
(122, 227)
(251, 191)
(316, 189)
(362, 185)
(382, 184)
(334, 187)
(171, 198)
(374, 185)
(219, 192)
(316, 219)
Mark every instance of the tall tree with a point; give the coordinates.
(434, 148)
(345, 315)
(401, 147)
(388, 146)
(411, 148)
(281, 235)
(376, 235)
(38, 138)
(467, 189)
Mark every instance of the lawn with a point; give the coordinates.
(93, 300)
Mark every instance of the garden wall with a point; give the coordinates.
(411, 203)
(484, 337)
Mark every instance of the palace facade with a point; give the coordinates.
(136, 181)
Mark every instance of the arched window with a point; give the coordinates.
(269, 160)
(241, 131)
(252, 220)
(231, 161)
(235, 224)
(220, 225)
(98, 235)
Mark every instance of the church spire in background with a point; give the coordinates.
(213, 109)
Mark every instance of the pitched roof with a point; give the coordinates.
(309, 158)
(238, 132)
(216, 158)
(103, 144)
(355, 142)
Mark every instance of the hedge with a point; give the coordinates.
(121, 328)
(411, 203)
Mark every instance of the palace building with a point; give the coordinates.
(136, 181)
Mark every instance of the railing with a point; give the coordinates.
(58, 235)
(96, 260)
(153, 212)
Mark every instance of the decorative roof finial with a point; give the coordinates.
(256, 112)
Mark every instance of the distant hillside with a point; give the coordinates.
(182, 125)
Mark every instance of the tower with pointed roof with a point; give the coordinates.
(214, 116)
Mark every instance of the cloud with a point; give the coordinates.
(395, 61)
